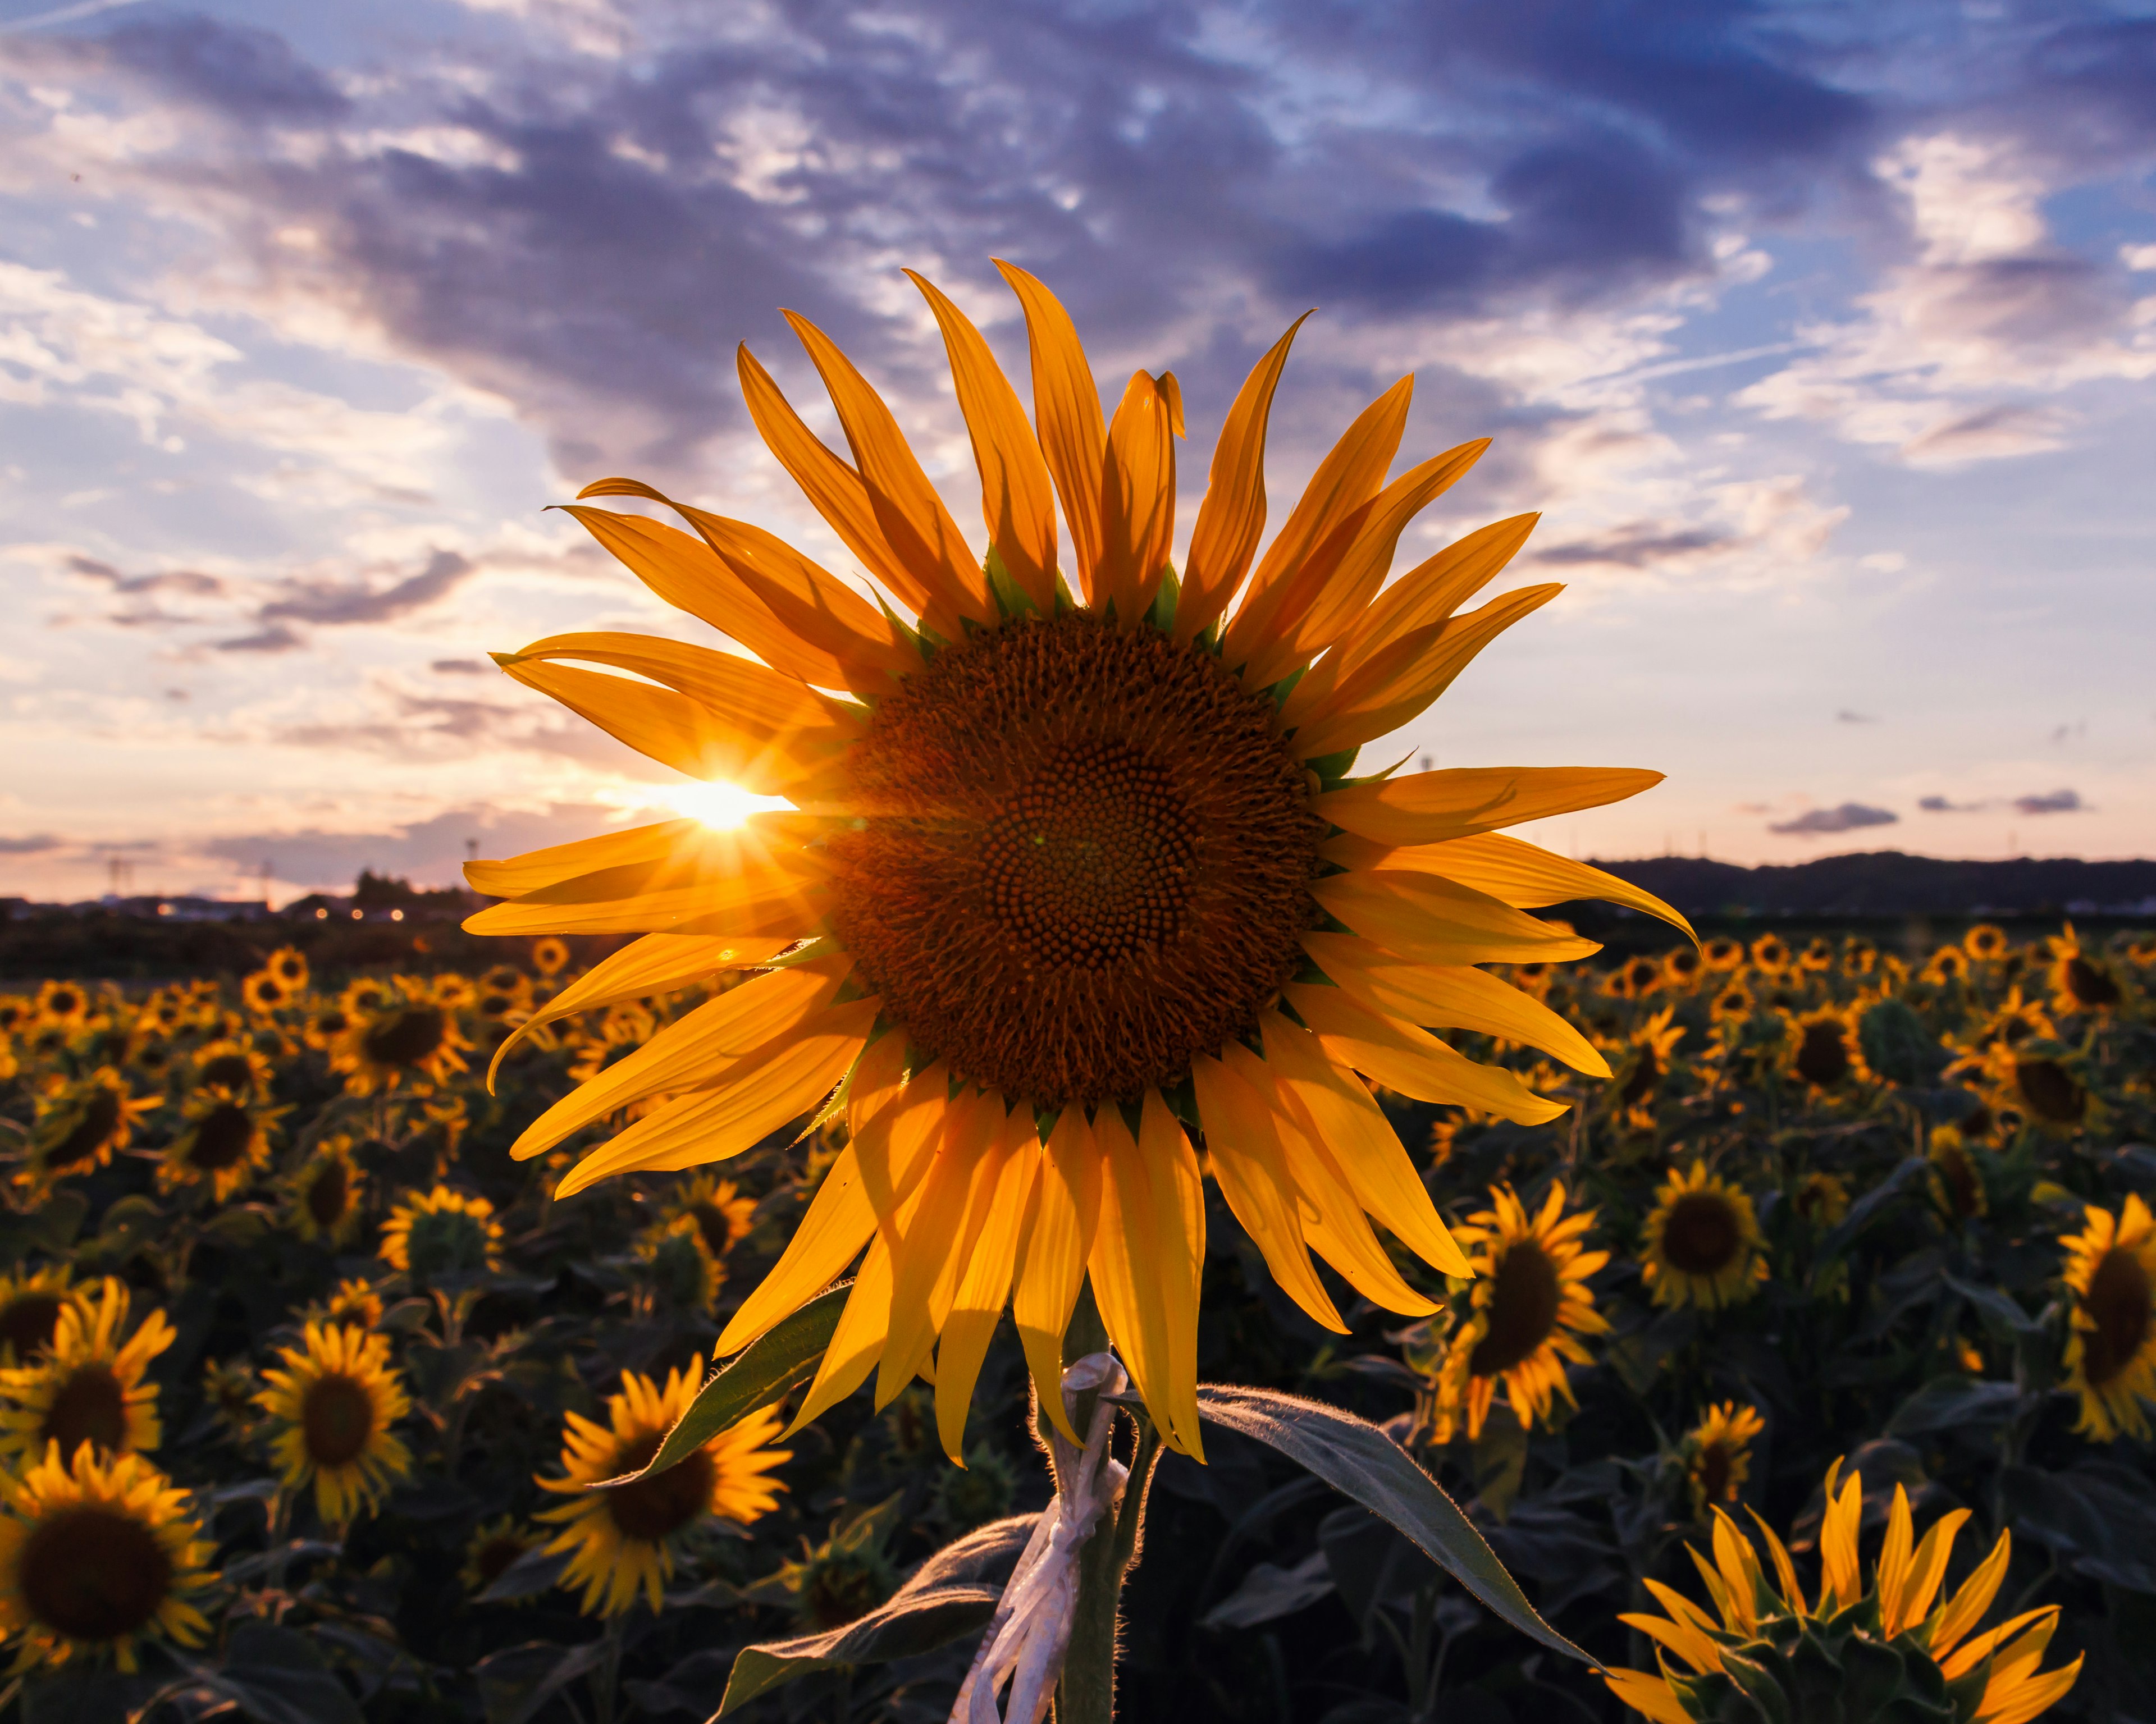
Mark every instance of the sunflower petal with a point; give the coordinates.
(1649, 1695)
(856, 1343)
(1432, 920)
(934, 1242)
(838, 1223)
(1067, 408)
(1005, 1195)
(1138, 500)
(1509, 868)
(1145, 1292)
(1404, 1057)
(1059, 1238)
(1965, 1609)
(1253, 1176)
(1426, 807)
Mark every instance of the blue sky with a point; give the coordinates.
(1823, 335)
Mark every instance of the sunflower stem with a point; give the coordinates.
(1086, 1694)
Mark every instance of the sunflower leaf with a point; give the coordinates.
(1362, 1463)
(778, 1360)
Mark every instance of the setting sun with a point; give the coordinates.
(719, 804)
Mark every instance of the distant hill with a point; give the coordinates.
(1887, 883)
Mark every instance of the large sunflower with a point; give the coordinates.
(1702, 1245)
(2081, 982)
(625, 1540)
(89, 1387)
(1530, 1304)
(79, 1126)
(396, 1036)
(223, 1143)
(1872, 1652)
(95, 1554)
(1077, 863)
(330, 1412)
(2111, 1354)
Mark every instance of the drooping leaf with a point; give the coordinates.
(2098, 1518)
(1270, 1592)
(1362, 1462)
(1953, 1403)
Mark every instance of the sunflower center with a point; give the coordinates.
(222, 1138)
(2089, 985)
(712, 1223)
(653, 1508)
(2049, 1088)
(409, 1037)
(230, 1071)
(1962, 1191)
(27, 1323)
(100, 1118)
(1082, 855)
(93, 1573)
(446, 1242)
(1524, 1296)
(267, 992)
(1716, 1464)
(2118, 1299)
(337, 1418)
(90, 1406)
(63, 1003)
(329, 1194)
(1700, 1234)
(1823, 1057)
(493, 1558)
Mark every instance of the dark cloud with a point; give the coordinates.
(235, 69)
(1850, 817)
(430, 852)
(1846, 716)
(37, 844)
(336, 603)
(1945, 805)
(2051, 802)
(460, 667)
(1637, 547)
(277, 638)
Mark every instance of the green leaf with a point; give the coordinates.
(1362, 1463)
(768, 1368)
(1954, 1402)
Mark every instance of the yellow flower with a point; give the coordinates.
(1702, 1245)
(79, 1126)
(550, 956)
(1817, 958)
(625, 1541)
(87, 1387)
(396, 1036)
(679, 1264)
(1732, 1004)
(266, 993)
(324, 1025)
(31, 1301)
(325, 1198)
(16, 1013)
(1822, 1198)
(2015, 1021)
(330, 1410)
(1824, 1052)
(721, 1213)
(1954, 1173)
(224, 1143)
(63, 1003)
(504, 995)
(95, 1554)
(441, 1231)
(1683, 967)
(1717, 1454)
(354, 1301)
(1986, 943)
(1530, 1304)
(2111, 1354)
(1789, 1644)
(1081, 839)
(1650, 1044)
(2080, 982)
(229, 1064)
(1770, 952)
(1948, 965)
(288, 965)
(493, 1548)
(1722, 953)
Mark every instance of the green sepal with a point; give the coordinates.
(1011, 598)
(1332, 769)
(1164, 602)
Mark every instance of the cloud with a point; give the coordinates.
(191, 583)
(1850, 817)
(35, 844)
(329, 604)
(458, 667)
(431, 851)
(2051, 802)
(276, 638)
(1637, 547)
(1944, 805)
(1846, 716)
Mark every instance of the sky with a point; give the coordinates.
(1822, 336)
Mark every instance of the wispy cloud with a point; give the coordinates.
(1848, 817)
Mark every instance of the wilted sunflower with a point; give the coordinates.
(1702, 1245)
(1985, 942)
(79, 1125)
(97, 1553)
(623, 1541)
(1879, 1652)
(330, 1410)
(2080, 982)
(89, 1386)
(1530, 1305)
(550, 956)
(1955, 1175)
(325, 1197)
(1825, 1053)
(354, 1301)
(1718, 1455)
(223, 1142)
(31, 1301)
(441, 1231)
(266, 993)
(1060, 856)
(2111, 1354)
(398, 1036)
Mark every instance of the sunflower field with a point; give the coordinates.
(303, 1377)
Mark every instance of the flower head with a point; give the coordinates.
(441, 1231)
(397, 1035)
(89, 1388)
(2111, 1352)
(223, 1142)
(31, 1301)
(1702, 1245)
(328, 1412)
(1717, 1454)
(324, 1196)
(80, 1125)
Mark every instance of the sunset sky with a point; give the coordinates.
(1822, 335)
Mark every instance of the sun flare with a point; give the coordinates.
(717, 804)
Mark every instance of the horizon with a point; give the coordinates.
(1821, 343)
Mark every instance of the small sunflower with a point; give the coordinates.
(96, 1554)
(550, 956)
(1530, 1305)
(453, 991)
(229, 1391)
(355, 1302)
(152, 1054)
(1947, 968)
(324, 1196)
(441, 1231)
(230, 1063)
(2015, 1021)
(1821, 1197)
(222, 1144)
(1860, 958)
(1722, 953)
(399, 1035)
(1817, 958)
(1683, 967)
(16, 1013)
(330, 1410)
(324, 1025)
(2081, 982)
(63, 1003)
(1770, 952)
(1646, 1062)
(680, 1265)
(1825, 1053)
(288, 965)
(1732, 1004)
(266, 993)
(625, 1541)
(1791, 1657)
(721, 1213)
(1986, 943)
(494, 1548)
(1702, 1245)
(2111, 1355)
(89, 1387)
(80, 1125)
(31, 1301)
(504, 995)
(1718, 1455)
(1955, 1175)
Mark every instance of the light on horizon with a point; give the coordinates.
(718, 804)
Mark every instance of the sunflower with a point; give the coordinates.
(1732, 1004)
(79, 1125)
(1722, 953)
(354, 1301)
(1822, 1198)
(1530, 1304)
(2080, 982)
(722, 1214)
(323, 1027)
(325, 1197)
(223, 1143)
(504, 995)
(87, 1387)
(31, 1301)
(96, 1553)
(1683, 967)
(1824, 1050)
(454, 992)
(1071, 844)
(494, 1548)
(63, 1004)
(398, 1034)
(231, 1064)
(1702, 1245)
(228, 1390)
(288, 965)
(330, 1410)
(152, 1053)
(2037, 1077)
(1649, 1049)
(1955, 1175)
(2015, 1021)
(1771, 953)
(2111, 1354)
(1985, 942)
(441, 1231)
(680, 1265)
(1717, 1454)
(1817, 958)
(624, 1542)
(1789, 1654)
(550, 956)
(1947, 968)
(1859, 958)
(622, 1028)
(16, 1013)
(264, 992)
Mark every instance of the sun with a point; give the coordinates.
(718, 804)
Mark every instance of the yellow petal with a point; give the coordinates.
(1687, 1642)
(775, 894)
(1058, 1239)
(1340, 1112)
(856, 1343)
(1838, 1578)
(1147, 1296)
(898, 1142)
(1066, 409)
(1509, 868)
(1432, 920)
(1427, 808)
(1137, 502)
(1785, 1571)
(1008, 1174)
(1927, 1569)
(1178, 1252)
(934, 1244)
(2030, 1697)
(1649, 1695)
(838, 1223)
(1253, 1176)
(1965, 1609)
(1232, 518)
(1404, 1057)
(1445, 997)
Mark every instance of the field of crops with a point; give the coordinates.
(302, 1375)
